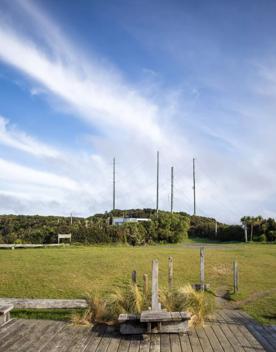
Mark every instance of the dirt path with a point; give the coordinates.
(223, 301)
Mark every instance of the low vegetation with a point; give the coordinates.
(164, 228)
(131, 299)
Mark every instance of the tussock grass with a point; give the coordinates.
(131, 299)
(185, 298)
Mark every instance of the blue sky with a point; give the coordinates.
(84, 81)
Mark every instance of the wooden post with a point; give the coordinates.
(235, 276)
(170, 273)
(202, 278)
(146, 285)
(133, 277)
(154, 286)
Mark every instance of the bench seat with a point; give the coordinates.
(152, 322)
(5, 313)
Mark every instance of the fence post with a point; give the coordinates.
(133, 277)
(202, 278)
(170, 273)
(145, 284)
(235, 276)
(154, 289)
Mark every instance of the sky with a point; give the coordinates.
(84, 81)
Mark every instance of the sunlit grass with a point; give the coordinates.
(74, 272)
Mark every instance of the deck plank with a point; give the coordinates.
(227, 331)
(194, 341)
(155, 343)
(41, 335)
(185, 343)
(203, 339)
(13, 340)
(215, 343)
(237, 346)
(175, 343)
(165, 343)
(135, 344)
(222, 338)
(239, 328)
(95, 339)
(124, 343)
(114, 343)
(257, 331)
(104, 343)
(145, 343)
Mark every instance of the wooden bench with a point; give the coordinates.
(5, 313)
(154, 322)
(165, 322)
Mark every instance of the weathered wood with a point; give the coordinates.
(28, 245)
(155, 343)
(154, 291)
(145, 344)
(5, 309)
(134, 277)
(114, 343)
(124, 344)
(230, 332)
(24, 303)
(165, 343)
(156, 316)
(235, 276)
(128, 317)
(5, 313)
(194, 341)
(185, 343)
(174, 327)
(165, 322)
(215, 343)
(202, 273)
(135, 344)
(170, 273)
(175, 343)
(204, 341)
(145, 285)
(222, 338)
(133, 328)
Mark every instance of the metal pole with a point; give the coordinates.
(172, 189)
(114, 165)
(194, 187)
(157, 184)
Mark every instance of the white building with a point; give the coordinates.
(121, 220)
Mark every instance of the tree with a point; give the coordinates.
(245, 220)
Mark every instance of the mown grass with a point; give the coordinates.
(74, 272)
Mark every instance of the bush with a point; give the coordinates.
(271, 236)
(262, 238)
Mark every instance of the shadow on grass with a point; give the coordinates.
(48, 314)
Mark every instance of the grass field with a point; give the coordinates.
(74, 272)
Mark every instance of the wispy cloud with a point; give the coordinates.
(12, 137)
(226, 132)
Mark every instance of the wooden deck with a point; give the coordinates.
(226, 331)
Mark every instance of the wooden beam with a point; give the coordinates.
(25, 303)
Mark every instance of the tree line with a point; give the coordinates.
(163, 227)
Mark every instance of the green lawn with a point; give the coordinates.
(73, 272)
